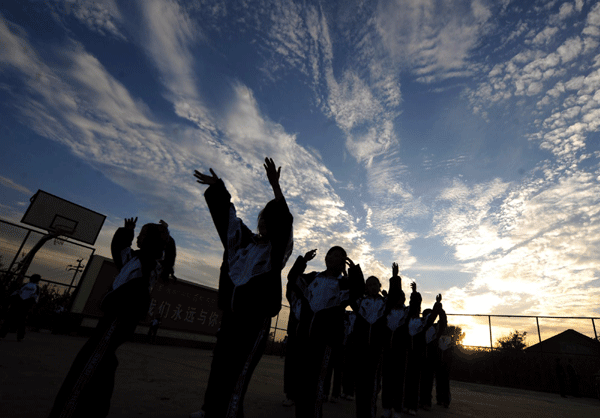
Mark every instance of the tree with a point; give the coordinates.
(515, 341)
(456, 333)
(50, 303)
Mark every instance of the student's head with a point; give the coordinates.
(35, 278)
(415, 302)
(372, 286)
(401, 299)
(153, 239)
(426, 312)
(266, 218)
(335, 260)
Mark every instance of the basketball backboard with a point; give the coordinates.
(53, 213)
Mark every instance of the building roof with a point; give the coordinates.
(568, 342)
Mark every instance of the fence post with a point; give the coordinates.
(491, 341)
(538, 327)
(595, 333)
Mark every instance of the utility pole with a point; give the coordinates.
(77, 269)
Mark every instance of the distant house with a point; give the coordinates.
(569, 342)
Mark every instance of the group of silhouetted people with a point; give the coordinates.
(380, 345)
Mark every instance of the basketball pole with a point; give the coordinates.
(30, 255)
(18, 253)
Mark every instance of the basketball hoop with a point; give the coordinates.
(59, 232)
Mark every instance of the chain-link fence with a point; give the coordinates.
(478, 356)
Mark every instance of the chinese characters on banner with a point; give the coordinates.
(185, 307)
(181, 306)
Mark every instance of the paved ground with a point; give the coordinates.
(164, 381)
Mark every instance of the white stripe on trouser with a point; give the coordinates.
(375, 384)
(234, 402)
(88, 371)
(321, 382)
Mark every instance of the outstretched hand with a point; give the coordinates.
(130, 222)
(273, 174)
(413, 286)
(310, 255)
(205, 178)
(394, 269)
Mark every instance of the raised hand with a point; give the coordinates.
(438, 298)
(413, 286)
(273, 174)
(349, 262)
(394, 269)
(130, 222)
(310, 255)
(205, 178)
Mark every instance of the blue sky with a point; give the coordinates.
(458, 138)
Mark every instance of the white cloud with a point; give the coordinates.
(533, 252)
(102, 16)
(545, 35)
(170, 33)
(570, 49)
(433, 37)
(6, 182)
(89, 111)
(352, 101)
(592, 26)
(469, 224)
(566, 10)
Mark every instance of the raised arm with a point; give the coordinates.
(122, 239)
(300, 265)
(357, 282)
(437, 310)
(218, 200)
(273, 174)
(395, 288)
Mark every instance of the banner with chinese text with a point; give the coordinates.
(180, 306)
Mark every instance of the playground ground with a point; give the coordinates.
(169, 382)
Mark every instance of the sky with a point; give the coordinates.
(458, 138)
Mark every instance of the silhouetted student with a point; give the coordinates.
(431, 355)
(290, 366)
(394, 359)
(445, 354)
(334, 371)
(21, 302)
(370, 336)
(573, 379)
(249, 290)
(88, 387)
(562, 379)
(349, 355)
(324, 297)
(416, 348)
